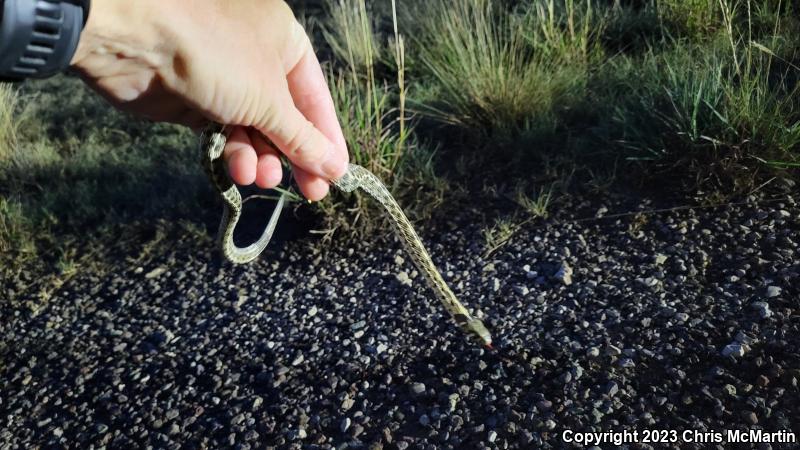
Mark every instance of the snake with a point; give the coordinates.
(212, 143)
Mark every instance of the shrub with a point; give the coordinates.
(501, 73)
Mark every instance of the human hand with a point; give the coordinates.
(246, 63)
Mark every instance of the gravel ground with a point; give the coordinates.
(683, 320)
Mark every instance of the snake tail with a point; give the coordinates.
(359, 177)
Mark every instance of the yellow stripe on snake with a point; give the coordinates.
(213, 143)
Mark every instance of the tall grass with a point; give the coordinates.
(500, 72)
(8, 125)
(694, 19)
(345, 34)
(725, 111)
(372, 111)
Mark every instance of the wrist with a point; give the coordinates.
(123, 30)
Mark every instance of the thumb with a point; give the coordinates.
(297, 138)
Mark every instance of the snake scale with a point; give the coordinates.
(212, 144)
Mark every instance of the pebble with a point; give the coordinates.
(612, 389)
(734, 349)
(564, 274)
(520, 290)
(773, 291)
(763, 309)
(417, 388)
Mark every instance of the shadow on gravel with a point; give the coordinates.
(685, 320)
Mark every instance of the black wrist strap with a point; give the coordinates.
(85, 5)
(38, 38)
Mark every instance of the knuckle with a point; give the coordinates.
(299, 144)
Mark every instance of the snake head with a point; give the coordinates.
(479, 332)
(475, 329)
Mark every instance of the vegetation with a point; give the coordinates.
(71, 168)
(501, 72)
(373, 115)
(725, 111)
(569, 92)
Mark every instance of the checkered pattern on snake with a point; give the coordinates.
(212, 145)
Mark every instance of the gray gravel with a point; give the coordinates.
(688, 319)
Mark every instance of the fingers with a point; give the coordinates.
(250, 158)
(240, 157)
(313, 187)
(308, 132)
(268, 169)
(311, 95)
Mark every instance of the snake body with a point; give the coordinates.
(213, 143)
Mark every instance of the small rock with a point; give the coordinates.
(613, 350)
(347, 403)
(417, 388)
(424, 420)
(750, 417)
(520, 290)
(734, 349)
(763, 309)
(612, 389)
(773, 291)
(345, 424)
(626, 363)
(155, 273)
(453, 401)
(492, 436)
(729, 389)
(404, 279)
(564, 274)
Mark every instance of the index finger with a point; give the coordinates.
(312, 97)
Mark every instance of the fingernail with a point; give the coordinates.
(334, 168)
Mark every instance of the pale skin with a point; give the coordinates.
(245, 63)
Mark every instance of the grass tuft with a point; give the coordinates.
(372, 112)
(502, 73)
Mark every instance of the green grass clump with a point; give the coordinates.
(345, 33)
(501, 72)
(690, 18)
(8, 127)
(724, 112)
(373, 115)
